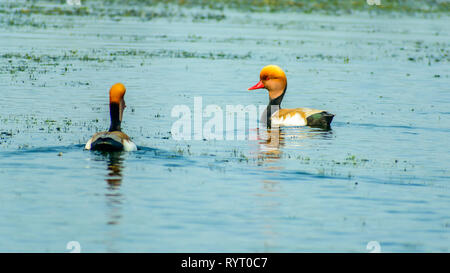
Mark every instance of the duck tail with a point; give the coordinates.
(106, 144)
(320, 120)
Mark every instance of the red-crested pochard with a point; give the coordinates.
(273, 79)
(114, 139)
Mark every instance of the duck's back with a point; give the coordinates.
(111, 141)
(302, 117)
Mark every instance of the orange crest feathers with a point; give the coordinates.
(272, 72)
(116, 93)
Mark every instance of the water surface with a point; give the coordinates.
(381, 174)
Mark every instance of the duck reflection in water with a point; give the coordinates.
(113, 196)
(115, 167)
(272, 141)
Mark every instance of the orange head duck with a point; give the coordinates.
(114, 139)
(273, 79)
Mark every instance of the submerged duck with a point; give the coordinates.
(273, 79)
(114, 139)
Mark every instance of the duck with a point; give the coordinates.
(113, 139)
(273, 78)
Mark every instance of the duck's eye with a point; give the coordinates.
(265, 78)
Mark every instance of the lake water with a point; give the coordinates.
(381, 174)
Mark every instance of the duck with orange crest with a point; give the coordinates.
(114, 139)
(273, 79)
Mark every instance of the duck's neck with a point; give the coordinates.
(114, 111)
(274, 105)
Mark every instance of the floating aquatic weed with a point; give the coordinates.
(151, 9)
(3, 135)
(209, 16)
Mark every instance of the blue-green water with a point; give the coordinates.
(381, 174)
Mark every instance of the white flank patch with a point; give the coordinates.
(129, 146)
(295, 120)
(88, 144)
